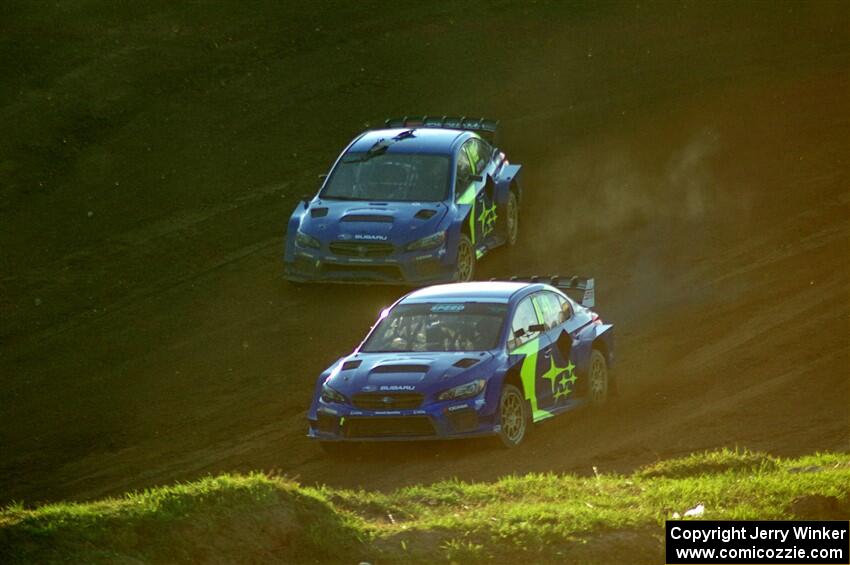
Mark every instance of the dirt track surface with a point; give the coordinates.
(695, 161)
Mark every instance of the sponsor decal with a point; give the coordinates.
(397, 387)
(562, 379)
(447, 308)
(369, 237)
(369, 388)
(487, 219)
(458, 407)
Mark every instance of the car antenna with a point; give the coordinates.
(378, 147)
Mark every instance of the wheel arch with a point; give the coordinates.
(604, 343)
(514, 188)
(512, 377)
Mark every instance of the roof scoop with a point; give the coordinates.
(465, 363)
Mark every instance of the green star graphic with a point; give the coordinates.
(487, 219)
(552, 373)
(561, 379)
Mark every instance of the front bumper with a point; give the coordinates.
(442, 420)
(400, 268)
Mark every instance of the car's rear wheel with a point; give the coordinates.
(465, 265)
(512, 218)
(513, 417)
(597, 385)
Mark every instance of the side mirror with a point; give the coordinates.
(306, 198)
(519, 333)
(536, 328)
(476, 178)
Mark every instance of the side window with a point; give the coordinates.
(565, 310)
(485, 153)
(478, 154)
(549, 308)
(464, 171)
(524, 317)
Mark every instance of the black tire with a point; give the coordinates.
(512, 219)
(514, 417)
(465, 254)
(597, 379)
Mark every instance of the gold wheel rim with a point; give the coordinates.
(598, 384)
(513, 219)
(464, 262)
(513, 423)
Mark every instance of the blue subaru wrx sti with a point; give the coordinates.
(415, 203)
(468, 359)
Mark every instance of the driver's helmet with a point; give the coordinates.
(461, 332)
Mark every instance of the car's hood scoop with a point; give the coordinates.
(395, 373)
(397, 222)
(375, 372)
(368, 218)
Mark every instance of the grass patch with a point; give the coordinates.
(712, 462)
(544, 517)
(226, 518)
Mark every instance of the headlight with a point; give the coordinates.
(427, 242)
(464, 391)
(330, 395)
(304, 240)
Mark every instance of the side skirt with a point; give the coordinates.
(567, 406)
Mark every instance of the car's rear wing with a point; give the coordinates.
(582, 289)
(488, 129)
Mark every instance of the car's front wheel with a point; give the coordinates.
(513, 417)
(465, 265)
(597, 384)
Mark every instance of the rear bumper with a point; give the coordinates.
(424, 268)
(441, 421)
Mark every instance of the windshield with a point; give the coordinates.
(455, 326)
(405, 177)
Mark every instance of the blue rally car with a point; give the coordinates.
(468, 359)
(418, 202)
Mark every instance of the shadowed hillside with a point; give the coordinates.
(692, 157)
